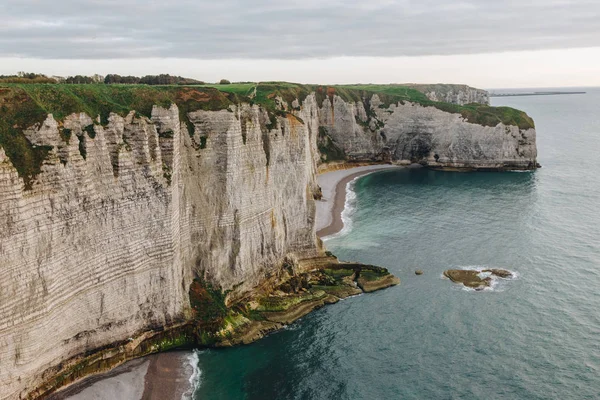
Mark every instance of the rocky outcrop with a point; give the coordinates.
(455, 94)
(475, 279)
(307, 291)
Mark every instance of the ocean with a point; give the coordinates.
(536, 336)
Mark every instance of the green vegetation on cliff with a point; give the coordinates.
(24, 105)
(475, 113)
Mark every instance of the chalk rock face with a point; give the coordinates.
(437, 138)
(455, 94)
(87, 258)
(123, 217)
(247, 200)
(346, 124)
(413, 133)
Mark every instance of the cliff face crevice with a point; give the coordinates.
(104, 243)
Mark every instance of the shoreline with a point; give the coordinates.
(168, 376)
(334, 186)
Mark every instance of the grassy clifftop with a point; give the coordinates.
(476, 113)
(23, 105)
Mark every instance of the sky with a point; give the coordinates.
(483, 43)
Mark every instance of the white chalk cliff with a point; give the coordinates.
(455, 94)
(411, 133)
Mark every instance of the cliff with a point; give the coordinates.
(438, 136)
(455, 94)
(136, 219)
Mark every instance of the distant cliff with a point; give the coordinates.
(455, 94)
(438, 135)
(127, 212)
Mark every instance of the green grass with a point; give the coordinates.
(17, 113)
(371, 275)
(208, 303)
(278, 304)
(241, 89)
(389, 93)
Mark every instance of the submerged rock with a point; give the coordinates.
(477, 280)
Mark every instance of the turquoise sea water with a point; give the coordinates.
(534, 337)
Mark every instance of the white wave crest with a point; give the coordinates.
(193, 360)
(348, 211)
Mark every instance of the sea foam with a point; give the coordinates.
(193, 361)
(348, 211)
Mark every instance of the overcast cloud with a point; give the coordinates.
(276, 29)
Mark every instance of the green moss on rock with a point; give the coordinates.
(328, 150)
(208, 304)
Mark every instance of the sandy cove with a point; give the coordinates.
(333, 186)
(158, 376)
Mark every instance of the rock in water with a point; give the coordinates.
(469, 278)
(502, 273)
(419, 272)
(473, 278)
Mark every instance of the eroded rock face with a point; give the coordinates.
(474, 279)
(412, 133)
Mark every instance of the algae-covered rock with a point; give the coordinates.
(502, 273)
(371, 278)
(469, 278)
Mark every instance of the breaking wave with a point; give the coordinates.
(348, 211)
(193, 361)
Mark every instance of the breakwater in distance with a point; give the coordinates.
(532, 94)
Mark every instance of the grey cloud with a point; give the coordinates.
(70, 29)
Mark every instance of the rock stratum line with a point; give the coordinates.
(136, 220)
